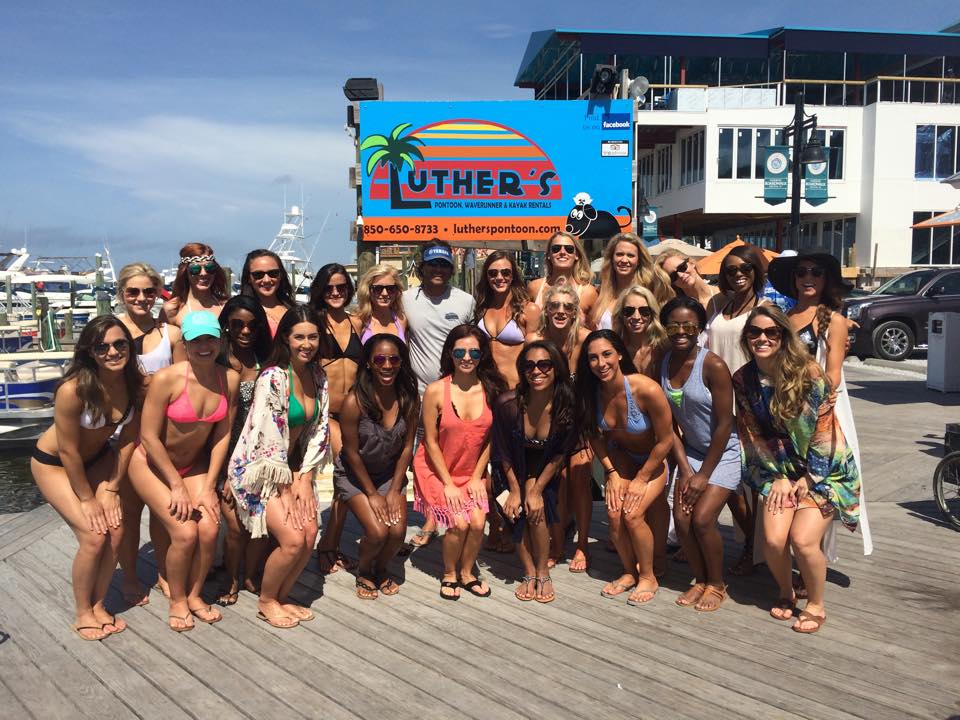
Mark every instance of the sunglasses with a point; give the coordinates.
(388, 360)
(380, 289)
(753, 332)
(461, 353)
(437, 264)
(568, 249)
(102, 348)
(209, 268)
(645, 312)
(681, 268)
(132, 293)
(237, 326)
(544, 366)
(801, 271)
(339, 289)
(741, 269)
(684, 328)
(555, 305)
(505, 273)
(260, 274)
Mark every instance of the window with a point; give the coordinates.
(748, 154)
(645, 173)
(691, 159)
(744, 149)
(665, 169)
(934, 246)
(946, 151)
(725, 154)
(937, 152)
(838, 236)
(949, 284)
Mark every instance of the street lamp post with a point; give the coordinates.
(805, 152)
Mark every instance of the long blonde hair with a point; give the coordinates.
(552, 293)
(581, 270)
(654, 335)
(794, 371)
(648, 274)
(364, 303)
(136, 269)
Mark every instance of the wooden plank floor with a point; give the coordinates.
(888, 650)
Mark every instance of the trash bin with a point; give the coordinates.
(943, 352)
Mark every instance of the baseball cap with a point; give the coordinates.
(199, 323)
(438, 252)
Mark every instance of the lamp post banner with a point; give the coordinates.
(651, 230)
(776, 167)
(815, 177)
(495, 171)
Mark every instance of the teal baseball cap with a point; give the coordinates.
(199, 323)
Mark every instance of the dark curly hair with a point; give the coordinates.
(563, 411)
(587, 383)
(405, 383)
(490, 377)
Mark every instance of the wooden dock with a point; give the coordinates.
(888, 650)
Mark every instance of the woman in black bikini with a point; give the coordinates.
(78, 471)
(379, 422)
(340, 350)
(247, 343)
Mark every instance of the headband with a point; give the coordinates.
(197, 259)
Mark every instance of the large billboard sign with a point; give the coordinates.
(489, 171)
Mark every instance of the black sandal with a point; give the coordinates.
(366, 591)
(471, 586)
(453, 585)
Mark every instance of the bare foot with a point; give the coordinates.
(162, 586)
(231, 596)
(298, 611)
(692, 595)
(810, 619)
(112, 624)
(619, 586)
(180, 619)
(251, 587)
(207, 614)
(579, 562)
(275, 614)
(643, 595)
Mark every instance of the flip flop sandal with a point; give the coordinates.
(471, 587)
(207, 609)
(585, 561)
(524, 581)
(450, 584)
(365, 591)
(77, 630)
(548, 598)
(700, 587)
(637, 602)
(184, 618)
(621, 589)
(228, 598)
(388, 586)
(346, 562)
(308, 617)
(809, 617)
(784, 604)
(425, 537)
(275, 621)
(114, 623)
(718, 592)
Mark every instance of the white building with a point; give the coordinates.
(887, 105)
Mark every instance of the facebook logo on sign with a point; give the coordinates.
(615, 121)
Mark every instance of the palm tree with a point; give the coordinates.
(395, 151)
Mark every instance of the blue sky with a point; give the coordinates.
(156, 124)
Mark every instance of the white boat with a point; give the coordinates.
(27, 388)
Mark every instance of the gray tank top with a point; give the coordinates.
(692, 406)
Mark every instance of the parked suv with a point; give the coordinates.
(893, 319)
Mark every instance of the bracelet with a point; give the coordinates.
(609, 471)
(111, 490)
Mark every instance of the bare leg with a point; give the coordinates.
(744, 518)
(776, 551)
(182, 537)
(161, 542)
(234, 547)
(621, 541)
(806, 533)
(642, 539)
(395, 536)
(207, 532)
(452, 547)
(280, 563)
(91, 546)
(658, 518)
(471, 545)
(372, 542)
(133, 592)
(558, 530)
(527, 589)
(582, 504)
(540, 543)
(708, 540)
(309, 533)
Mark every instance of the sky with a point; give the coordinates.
(149, 125)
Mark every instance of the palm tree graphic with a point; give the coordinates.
(395, 151)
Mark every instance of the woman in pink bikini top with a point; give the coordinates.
(184, 434)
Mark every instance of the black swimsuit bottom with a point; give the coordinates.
(46, 458)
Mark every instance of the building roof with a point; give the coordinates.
(545, 47)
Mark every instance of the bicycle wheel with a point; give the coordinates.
(946, 488)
